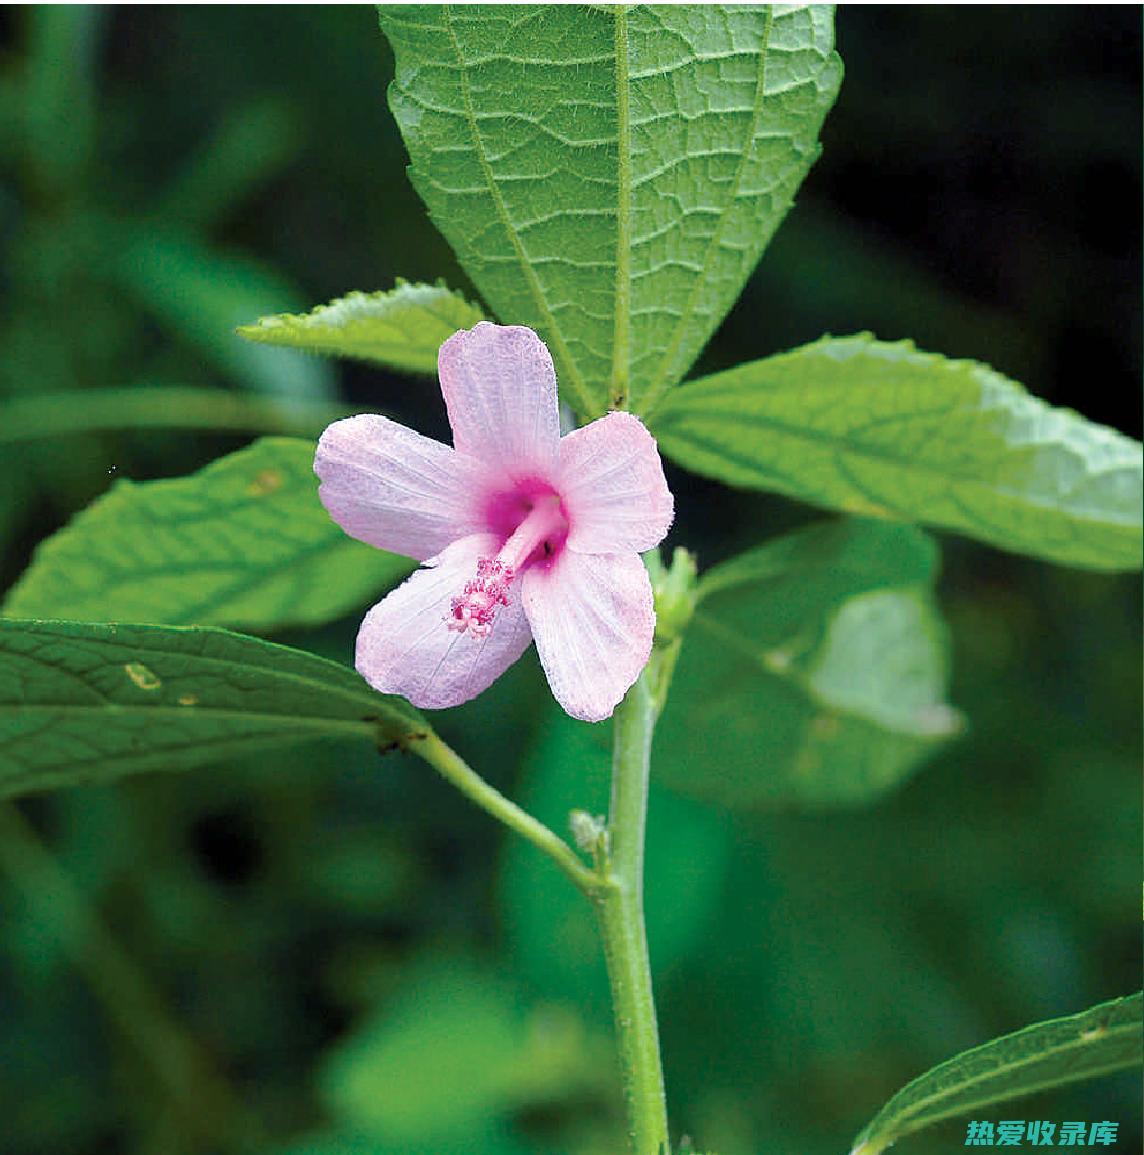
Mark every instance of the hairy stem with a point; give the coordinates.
(619, 906)
(451, 766)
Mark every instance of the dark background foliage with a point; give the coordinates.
(188, 963)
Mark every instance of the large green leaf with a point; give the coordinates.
(244, 542)
(872, 427)
(610, 175)
(1099, 1041)
(86, 702)
(401, 329)
(813, 672)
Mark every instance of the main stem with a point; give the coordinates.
(619, 905)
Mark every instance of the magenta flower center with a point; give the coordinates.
(541, 528)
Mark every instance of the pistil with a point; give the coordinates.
(541, 532)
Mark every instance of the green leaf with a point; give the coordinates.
(244, 542)
(200, 295)
(59, 93)
(401, 329)
(877, 428)
(453, 1054)
(86, 702)
(1099, 1041)
(332, 1143)
(813, 672)
(437, 1064)
(251, 145)
(42, 416)
(611, 175)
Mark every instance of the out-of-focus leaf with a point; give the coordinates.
(843, 556)
(39, 416)
(248, 149)
(43, 1107)
(401, 329)
(813, 672)
(11, 114)
(454, 1054)
(334, 1143)
(87, 702)
(1099, 1041)
(202, 295)
(554, 934)
(880, 428)
(14, 493)
(483, 1139)
(825, 264)
(244, 542)
(611, 174)
(360, 873)
(58, 99)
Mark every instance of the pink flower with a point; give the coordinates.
(524, 535)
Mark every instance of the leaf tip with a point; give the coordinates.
(256, 331)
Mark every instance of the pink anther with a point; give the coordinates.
(474, 610)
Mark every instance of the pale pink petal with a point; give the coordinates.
(500, 390)
(405, 647)
(612, 483)
(391, 487)
(593, 619)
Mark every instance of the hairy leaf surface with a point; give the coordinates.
(244, 542)
(86, 702)
(1099, 1041)
(871, 427)
(610, 175)
(813, 672)
(401, 329)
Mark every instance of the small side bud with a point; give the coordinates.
(674, 590)
(588, 830)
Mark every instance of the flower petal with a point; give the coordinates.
(387, 485)
(593, 619)
(500, 390)
(405, 647)
(612, 484)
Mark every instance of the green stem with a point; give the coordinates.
(619, 906)
(451, 766)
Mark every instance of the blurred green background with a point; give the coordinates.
(334, 953)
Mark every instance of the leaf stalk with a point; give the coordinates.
(452, 767)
